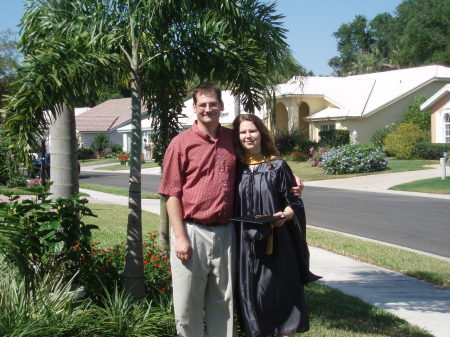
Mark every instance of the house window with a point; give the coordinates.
(447, 128)
(327, 127)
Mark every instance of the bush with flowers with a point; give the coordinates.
(298, 156)
(354, 158)
(123, 158)
(316, 156)
(103, 269)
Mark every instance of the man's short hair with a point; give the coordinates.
(207, 87)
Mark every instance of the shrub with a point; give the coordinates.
(44, 235)
(426, 150)
(85, 152)
(333, 138)
(380, 134)
(316, 156)
(292, 141)
(9, 167)
(298, 156)
(413, 114)
(354, 158)
(401, 142)
(100, 142)
(117, 148)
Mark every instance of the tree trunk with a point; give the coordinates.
(134, 262)
(63, 159)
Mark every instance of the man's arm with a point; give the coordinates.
(183, 248)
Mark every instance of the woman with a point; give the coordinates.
(273, 258)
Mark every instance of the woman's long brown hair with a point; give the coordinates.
(268, 148)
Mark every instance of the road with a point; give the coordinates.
(414, 222)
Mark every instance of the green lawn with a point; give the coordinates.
(88, 162)
(116, 190)
(433, 185)
(332, 313)
(309, 173)
(120, 167)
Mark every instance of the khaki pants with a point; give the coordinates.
(203, 287)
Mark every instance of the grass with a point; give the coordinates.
(432, 185)
(87, 162)
(309, 173)
(15, 190)
(332, 313)
(427, 268)
(120, 167)
(116, 190)
(112, 222)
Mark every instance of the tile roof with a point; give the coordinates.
(362, 95)
(106, 116)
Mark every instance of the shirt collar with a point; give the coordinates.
(200, 133)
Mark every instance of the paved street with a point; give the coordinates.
(420, 223)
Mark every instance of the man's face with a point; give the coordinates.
(208, 108)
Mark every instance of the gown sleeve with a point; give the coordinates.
(297, 226)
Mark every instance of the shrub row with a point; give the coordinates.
(333, 138)
(426, 150)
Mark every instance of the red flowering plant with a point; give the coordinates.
(123, 158)
(103, 269)
(157, 267)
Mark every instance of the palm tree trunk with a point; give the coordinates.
(134, 262)
(63, 160)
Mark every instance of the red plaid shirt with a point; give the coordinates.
(200, 171)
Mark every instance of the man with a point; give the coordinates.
(198, 183)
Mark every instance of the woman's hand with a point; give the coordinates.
(297, 190)
(287, 215)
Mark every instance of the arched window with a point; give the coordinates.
(447, 128)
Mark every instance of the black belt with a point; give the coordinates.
(213, 224)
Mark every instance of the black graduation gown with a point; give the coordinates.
(270, 291)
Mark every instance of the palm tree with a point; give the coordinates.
(156, 46)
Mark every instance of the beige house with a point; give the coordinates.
(439, 104)
(361, 103)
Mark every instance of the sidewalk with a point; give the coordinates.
(415, 301)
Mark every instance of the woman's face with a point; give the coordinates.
(250, 138)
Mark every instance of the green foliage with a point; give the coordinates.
(427, 150)
(333, 138)
(117, 148)
(401, 142)
(380, 134)
(415, 35)
(354, 158)
(298, 156)
(291, 141)
(44, 235)
(100, 142)
(413, 114)
(9, 62)
(9, 166)
(85, 152)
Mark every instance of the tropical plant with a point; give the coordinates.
(414, 114)
(401, 142)
(9, 167)
(354, 158)
(44, 235)
(71, 47)
(100, 142)
(380, 134)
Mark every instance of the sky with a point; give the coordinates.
(310, 25)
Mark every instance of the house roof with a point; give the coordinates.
(362, 95)
(437, 96)
(105, 117)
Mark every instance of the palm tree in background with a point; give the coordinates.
(154, 46)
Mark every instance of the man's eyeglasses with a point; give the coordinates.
(212, 106)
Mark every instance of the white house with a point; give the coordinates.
(439, 104)
(363, 103)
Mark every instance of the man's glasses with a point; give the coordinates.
(212, 106)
